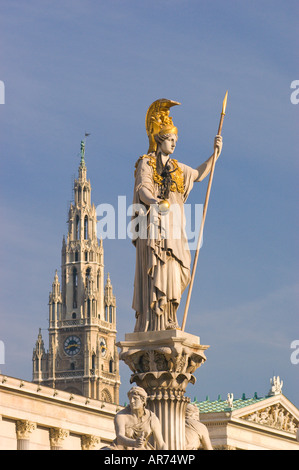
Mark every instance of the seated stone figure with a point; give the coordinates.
(134, 425)
(196, 434)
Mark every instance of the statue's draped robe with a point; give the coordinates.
(162, 264)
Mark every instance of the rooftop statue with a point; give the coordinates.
(162, 184)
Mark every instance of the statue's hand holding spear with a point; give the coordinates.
(218, 145)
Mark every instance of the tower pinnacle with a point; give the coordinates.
(82, 166)
(82, 162)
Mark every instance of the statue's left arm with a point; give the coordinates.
(204, 169)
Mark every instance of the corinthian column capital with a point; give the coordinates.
(57, 436)
(24, 428)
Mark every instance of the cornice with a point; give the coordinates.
(48, 394)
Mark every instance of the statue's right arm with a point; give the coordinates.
(144, 183)
(146, 196)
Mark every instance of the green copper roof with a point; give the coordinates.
(219, 405)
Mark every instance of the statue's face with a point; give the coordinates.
(192, 412)
(136, 401)
(168, 145)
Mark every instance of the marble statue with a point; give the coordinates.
(276, 386)
(135, 426)
(196, 433)
(162, 269)
(230, 399)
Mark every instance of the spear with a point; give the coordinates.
(214, 158)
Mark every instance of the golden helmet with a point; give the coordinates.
(158, 121)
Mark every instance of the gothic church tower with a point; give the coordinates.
(82, 356)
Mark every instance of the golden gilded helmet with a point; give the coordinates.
(158, 121)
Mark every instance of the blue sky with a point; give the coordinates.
(76, 66)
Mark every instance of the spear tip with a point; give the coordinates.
(224, 103)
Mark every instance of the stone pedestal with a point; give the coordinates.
(163, 363)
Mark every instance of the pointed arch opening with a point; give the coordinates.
(84, 195)
(106, 396)
(87, 276)
(93, 361)
(85, 227)
(75, 287)
(77, 228)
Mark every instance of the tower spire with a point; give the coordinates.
(82, 355)
(82, 161)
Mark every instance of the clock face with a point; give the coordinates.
(72, 345)
(103, 346)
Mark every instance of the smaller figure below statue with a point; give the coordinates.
(135, 425)
(196, 433)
